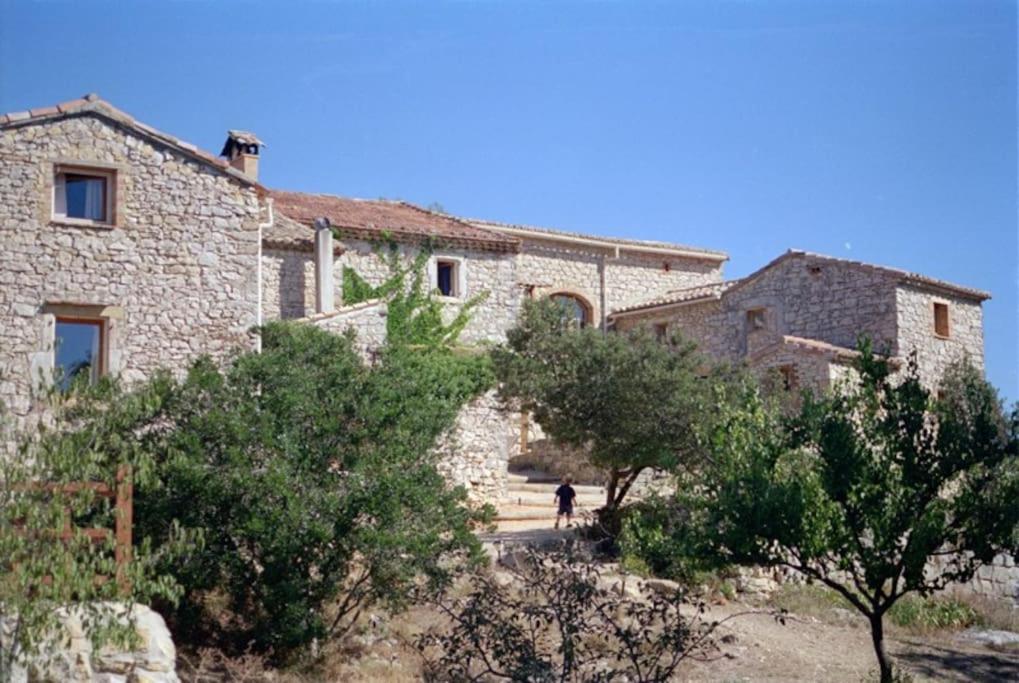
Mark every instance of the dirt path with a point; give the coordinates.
(807, 649)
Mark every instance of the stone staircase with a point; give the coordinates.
(530, 502)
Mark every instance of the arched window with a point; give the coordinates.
(576, 308)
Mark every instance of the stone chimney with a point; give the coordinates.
(241, 149)
(325, 301)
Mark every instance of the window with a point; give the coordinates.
(662, 331)
(755, 319)
(941, 326)
(575, 309)
(79, 351)
(789, 380)
(83, 195)
(446, 278)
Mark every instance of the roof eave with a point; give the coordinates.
(98, 107)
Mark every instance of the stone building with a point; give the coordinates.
(124, 250)
(803, 313)
(136, 247)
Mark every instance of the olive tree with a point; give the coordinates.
(879, 489)
(631, 400)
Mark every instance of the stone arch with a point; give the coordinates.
(580, 307)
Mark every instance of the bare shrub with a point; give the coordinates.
(555, 621)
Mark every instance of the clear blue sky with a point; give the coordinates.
(881, 131)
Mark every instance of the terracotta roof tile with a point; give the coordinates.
(712, 291)
(373, 219)
(621, 242)
(288, 234)
(834, 351)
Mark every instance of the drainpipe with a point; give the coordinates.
(258, 267)
(603, 284)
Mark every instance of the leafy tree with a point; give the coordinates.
(632, 401)
(49, 571)
(310, 476)
(866, 488)
(555, 621)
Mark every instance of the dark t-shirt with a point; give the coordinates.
(565, 494)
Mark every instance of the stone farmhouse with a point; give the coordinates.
(125, 249)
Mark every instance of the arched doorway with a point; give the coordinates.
(575, 307)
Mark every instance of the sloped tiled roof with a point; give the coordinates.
(904, 276)
(375, 219)
(286, 233)
(621, 242)
(707, 292)
(92, 103)
(833, 351)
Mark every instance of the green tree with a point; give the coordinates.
(865, 487)
(310, 476)
(631, 400)
(50, 569)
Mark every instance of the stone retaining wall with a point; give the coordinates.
(476, 452)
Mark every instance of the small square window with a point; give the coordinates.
(80, 351)
(755, 319)
(83, 195)
(941, 323)
(662, 331)
(790, 382)
(446, 278)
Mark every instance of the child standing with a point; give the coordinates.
(565, 495)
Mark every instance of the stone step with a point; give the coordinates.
(581, 489)
(536, 512)
(592, 499)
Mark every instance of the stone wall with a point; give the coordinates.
(476, 452)
(175, 272)
(803, 296)
(916, 331)
(289, 284)
(551, 268)
(366, 319)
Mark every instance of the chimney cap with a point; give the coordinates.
(242, 140)
(321, 223)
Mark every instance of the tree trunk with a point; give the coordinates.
(877, 635)
(610, 488)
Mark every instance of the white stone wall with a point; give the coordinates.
(288, 284)
(916, 331)
(179, 262)
(484, 271)
(476, 452)
(553, 268)
(804, 296)
(367, 320)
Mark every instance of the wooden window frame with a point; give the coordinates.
(942, 323)
(755, 314)
(454, 276)
(104, 346)
(109, 177)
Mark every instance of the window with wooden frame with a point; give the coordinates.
(756, 319)
(83, 195)
(79, 351)
(942, 326)
(662, 331)
(447, 277)
(575, 309)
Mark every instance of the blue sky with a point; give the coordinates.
(881, 131)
